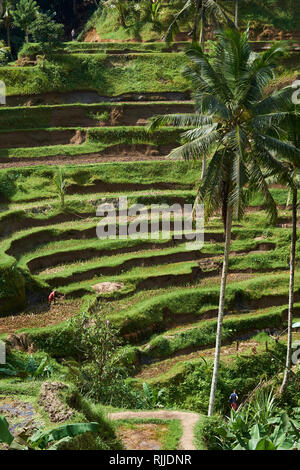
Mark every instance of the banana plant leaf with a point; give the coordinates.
(41, 439)
(5, 434)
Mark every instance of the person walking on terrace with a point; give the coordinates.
(233, 400)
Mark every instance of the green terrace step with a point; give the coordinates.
(155, 313)
(104, 135)
(44, 213)
(118, 265)
(173, 370)
(109, 75)
(39, 181)
(145, 278)
(203, 334)
(87, 115)
(109, 264)
(76, 47)
(127, 46)
(92, 97)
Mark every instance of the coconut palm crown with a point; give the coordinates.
(235, 123)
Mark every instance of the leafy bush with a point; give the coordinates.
(27, 369)
(102, 372)
(206, 431)
(190, 389)
(5, 56)
(30, 50)
(260, 425)
(41, 440)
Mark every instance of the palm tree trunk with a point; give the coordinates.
(236, 17)
(195, 30)
(122, 16)
(26, 36)
(291, 291)
(202, 27)
(8, 36)
(221, 311)
(204, 166)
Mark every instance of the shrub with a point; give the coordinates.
(4, 54)
(30, 50)
(206, 431)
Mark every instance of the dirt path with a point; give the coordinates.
(79, 160)
(188, 421)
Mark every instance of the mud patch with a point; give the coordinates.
(52, 403)
(36, 138)
(92, 97)
(142, 436)
(19, 414)
(103, 287)
(91, 36)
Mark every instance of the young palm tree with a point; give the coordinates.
(122, 8)
(231, 124)
(292, 125)
(201, 12)
(24, 15)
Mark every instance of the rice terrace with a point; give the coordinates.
(149, 225)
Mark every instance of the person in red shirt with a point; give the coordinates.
(52, 297)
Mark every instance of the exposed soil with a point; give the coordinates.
(114, 153)
(127, 265)
(260, 32)
(125, 115)
(19, 414)
(91, 36)
(40, 316)
(142, 436)
(92, 97)
(52, 403)
(82, 159)
(158, 368)
(37, 138)
(40, 263)
(188, 421)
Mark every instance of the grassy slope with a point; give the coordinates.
(107, 75)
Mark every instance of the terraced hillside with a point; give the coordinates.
(161, 296)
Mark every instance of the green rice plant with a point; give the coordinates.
(61, 185)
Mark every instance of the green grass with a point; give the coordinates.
(203, 334)
(98, 139)
(107, 75)
(21, 184)
(194, 301)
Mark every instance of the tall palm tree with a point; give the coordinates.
(231, 124)
(121, 7)
(7, 18)
(200, 11)
(292, 125)
(236, 14)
